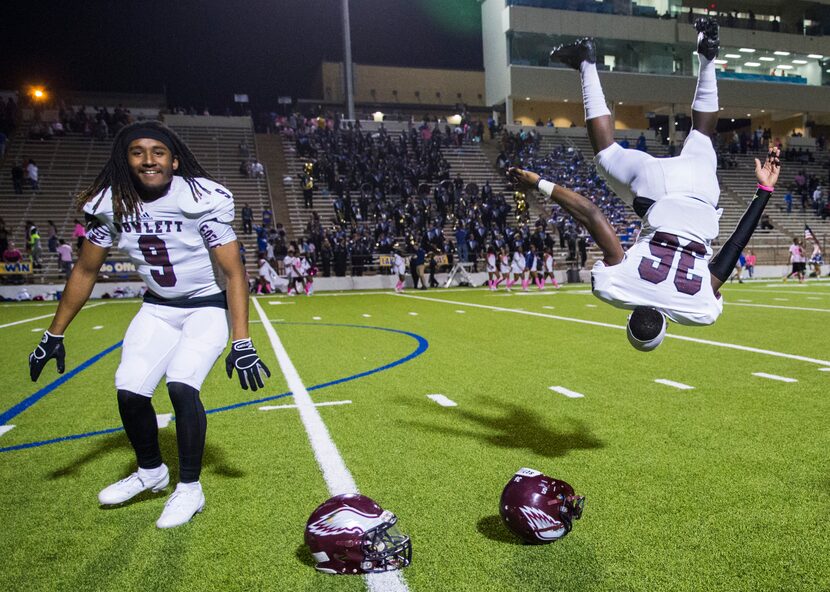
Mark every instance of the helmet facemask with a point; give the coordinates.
(385, 547)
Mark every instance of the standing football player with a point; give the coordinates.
(155, 202)
(667, 272)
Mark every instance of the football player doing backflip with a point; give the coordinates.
(158, 205)
(669, 271)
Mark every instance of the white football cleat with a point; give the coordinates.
(186, 501)
(128, 488)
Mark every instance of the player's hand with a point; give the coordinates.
(244, 358)
(767, 174)
(51, 346)
(526, 180)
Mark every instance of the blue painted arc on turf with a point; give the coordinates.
(423, 345)
(35, 397)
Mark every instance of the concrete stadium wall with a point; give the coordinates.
(375, 282)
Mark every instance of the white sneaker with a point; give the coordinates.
(128, 488)
(185, 502)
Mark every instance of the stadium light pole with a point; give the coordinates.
(347, 60)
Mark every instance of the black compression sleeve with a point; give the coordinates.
(722, 264)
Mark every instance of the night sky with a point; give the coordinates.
(204, 51)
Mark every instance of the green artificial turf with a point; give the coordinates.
(724, 487)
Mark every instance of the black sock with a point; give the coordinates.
(191, 426)
(139, 419)
(723, 264)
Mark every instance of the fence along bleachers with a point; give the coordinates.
(69, 163)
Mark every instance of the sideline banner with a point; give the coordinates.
(118, 267)
(16, 268)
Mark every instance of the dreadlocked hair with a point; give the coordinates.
(116, 173)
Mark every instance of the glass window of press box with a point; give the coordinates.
(620, 55)
(813, 20)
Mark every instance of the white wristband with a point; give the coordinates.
(546, 186)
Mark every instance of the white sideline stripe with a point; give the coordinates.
(781, 307)
(774, 377)
(442, 400)
(37, 329)
(46, 316)
(5, 428)
(163, 419)
(799, 293)
(323, 404)
(335, 473)
(824, 369)
(814, 298)
(747, 348)
(278, 302)
(678, 385)
(97, 327)
(567, 392)
(782, 299)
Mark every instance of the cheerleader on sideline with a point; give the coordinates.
(492, 270)
(548, 267)
(504, 268)
(517, 266)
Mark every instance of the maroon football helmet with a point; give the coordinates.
(539, 509)
(351, 534)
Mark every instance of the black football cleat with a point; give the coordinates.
(573, 54)
(708, 40)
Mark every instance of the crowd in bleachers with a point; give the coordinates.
(566, 166)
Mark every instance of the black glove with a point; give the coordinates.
(51, 346)
(244, 358)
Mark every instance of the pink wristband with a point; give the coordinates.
(765, 188)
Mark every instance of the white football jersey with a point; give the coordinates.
(399, 265)
(169, 242)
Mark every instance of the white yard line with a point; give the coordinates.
(442, 400)
(567, 392)
(323, 404)
(97, 327)
(335, 473)
(277, 302)
(38, 329)
(746, 348)
(774, 377)
(677, 385)
(779, 306)
(48, 316)
(5, 428)
(163, 419)
(824, 369)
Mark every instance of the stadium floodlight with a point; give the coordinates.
(732, 56)
(799, 61)
(746, 50)
(766, 59)
(781, 53)
(752, 64)
(720, 62)
(815, 56)
(38, 93)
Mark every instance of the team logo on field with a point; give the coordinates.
(344, 520)
(544, 526)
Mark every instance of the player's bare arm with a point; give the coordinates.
(76, 293)
(582, 209)
(78, 286)
(227, 258)
(243, 356)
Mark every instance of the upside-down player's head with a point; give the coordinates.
(646, 328)
(132, 150)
